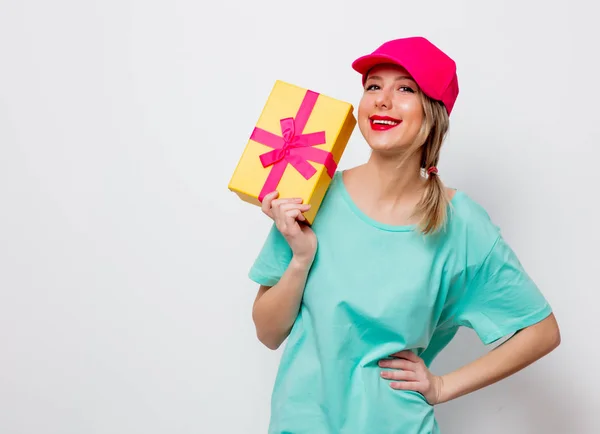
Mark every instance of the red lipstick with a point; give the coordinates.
(383, 123)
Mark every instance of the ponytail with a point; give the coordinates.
(434, 205)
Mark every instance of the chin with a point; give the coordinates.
(382, 142)
(387, 148)
(389, 145)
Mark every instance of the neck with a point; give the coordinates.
(394, 178)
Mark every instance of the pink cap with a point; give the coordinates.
(432, 69)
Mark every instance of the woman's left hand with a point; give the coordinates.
(410, 373)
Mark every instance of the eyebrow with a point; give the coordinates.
(400, 77)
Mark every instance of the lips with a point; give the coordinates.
(383, 123)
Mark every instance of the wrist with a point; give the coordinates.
(301, 263)
(444, 394)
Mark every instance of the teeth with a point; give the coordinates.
(377, 121)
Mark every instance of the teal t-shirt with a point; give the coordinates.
(376, 289)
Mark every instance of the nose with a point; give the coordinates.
(383, 99)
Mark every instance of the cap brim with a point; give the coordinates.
(363, 64)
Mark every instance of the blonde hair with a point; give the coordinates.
(432, 208)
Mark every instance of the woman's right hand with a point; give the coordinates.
(287, 215)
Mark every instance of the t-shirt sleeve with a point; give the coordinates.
(501, 298)
(272, 260)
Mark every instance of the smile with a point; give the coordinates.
(382, 123)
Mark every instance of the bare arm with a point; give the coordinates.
(522, 349)
(275, 308)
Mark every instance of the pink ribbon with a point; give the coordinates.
(293, 147)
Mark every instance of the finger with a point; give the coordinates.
(399, 375)
(415, 386)
(267, 203)
(289, 206)
(278, 207)
(284, 209)
(403, 364)
(291, 216)
(407, 354)
(272, 195)
(278, 202)
(286, 222)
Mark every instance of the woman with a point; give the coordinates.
(402, 263)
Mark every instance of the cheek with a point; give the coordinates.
(362, 107)
(412, 110)
(363, 113)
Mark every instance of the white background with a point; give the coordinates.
(125, 305)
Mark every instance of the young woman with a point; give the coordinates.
(402, 262)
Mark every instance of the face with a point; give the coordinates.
(390, 112)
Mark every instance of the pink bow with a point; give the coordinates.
(293, 147)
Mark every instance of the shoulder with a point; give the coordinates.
(465, 208)
(332, 202)
(470, 224)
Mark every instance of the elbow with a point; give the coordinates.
(271, 345)
(555, 337)
(268, 341)
(551, 333)
(266, 335)
(543, 337)
(269, 333)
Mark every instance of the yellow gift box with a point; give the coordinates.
(295, 147)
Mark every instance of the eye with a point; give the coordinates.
(372, 87)
(406, 89)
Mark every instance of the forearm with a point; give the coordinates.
(521, 350)
(276, 309)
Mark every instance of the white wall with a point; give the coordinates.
(124, 302)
